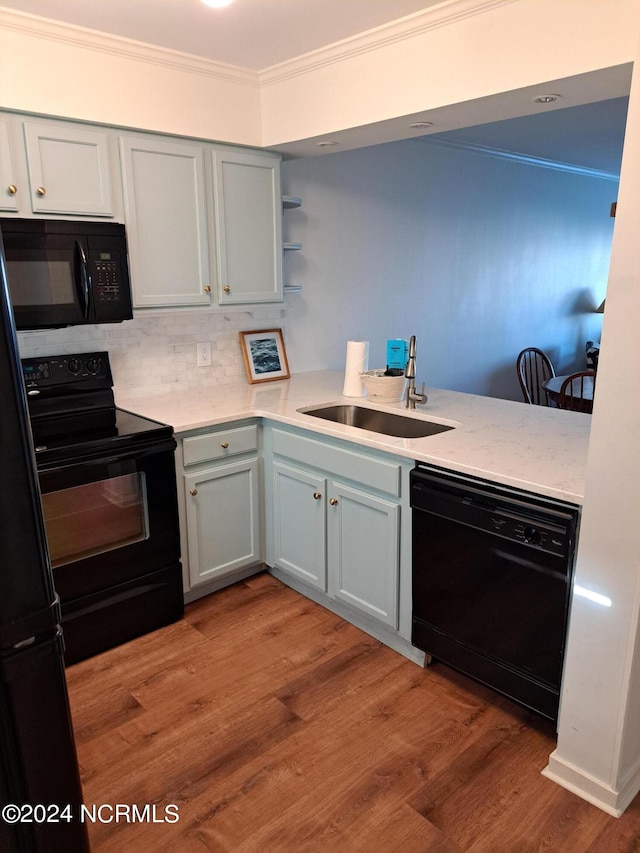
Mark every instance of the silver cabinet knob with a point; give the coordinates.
(41, 191)
(193, 492)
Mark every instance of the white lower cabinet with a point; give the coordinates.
(220, 504)
(334, 515)
(334, 524)
(363, 533)
(339, 539)
(299, 515)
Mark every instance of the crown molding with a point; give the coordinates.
(515, 157)
(411, 26)
(445, 13)
(69, 34)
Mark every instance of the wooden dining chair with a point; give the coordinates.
(533, 367)
(571, 394)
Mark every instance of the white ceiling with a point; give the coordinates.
(253, 34)
(590, 136)
(586, 128)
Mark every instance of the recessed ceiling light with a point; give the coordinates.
(419, 125)
(546, 99)
(217, 4)
(327, 144)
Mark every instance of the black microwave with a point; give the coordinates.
(64, 273)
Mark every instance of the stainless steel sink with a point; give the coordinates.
(376, 421)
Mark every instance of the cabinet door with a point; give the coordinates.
(364, 551)
(299, 524)
(166, 219)
(68, 170)
(223, 525)
(8, 179)
(248, 227)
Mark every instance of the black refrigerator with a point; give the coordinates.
(40, 790)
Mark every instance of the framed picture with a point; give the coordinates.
(265, 357)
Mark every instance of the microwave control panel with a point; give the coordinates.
(107, 284)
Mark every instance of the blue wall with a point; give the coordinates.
(478, 255)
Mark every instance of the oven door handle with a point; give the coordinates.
(83, 279)
(99, 457)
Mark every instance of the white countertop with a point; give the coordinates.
(535, 448)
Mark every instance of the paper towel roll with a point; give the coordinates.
(357, 362)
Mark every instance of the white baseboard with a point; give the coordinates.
(591, 789)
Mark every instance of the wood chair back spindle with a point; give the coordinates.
(533, 367)
(572, 394)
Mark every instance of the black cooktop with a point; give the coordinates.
(129, 431)
(72, 411)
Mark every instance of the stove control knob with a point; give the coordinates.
(74, 365)
(532, 535)
(93, 365)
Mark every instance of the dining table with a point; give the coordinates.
(581, 394)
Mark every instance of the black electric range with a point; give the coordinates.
(73, 413)
(109, 497)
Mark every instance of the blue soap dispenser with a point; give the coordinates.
(397, 356)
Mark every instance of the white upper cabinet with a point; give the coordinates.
(248, 206)
(203, 220)
(69, 170)
(8, 177)
(166, 218)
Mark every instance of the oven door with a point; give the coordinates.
(114, 544)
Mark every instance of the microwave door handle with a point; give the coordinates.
(82, 280)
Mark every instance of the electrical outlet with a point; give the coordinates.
(203, 351)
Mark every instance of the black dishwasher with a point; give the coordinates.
(492, 570)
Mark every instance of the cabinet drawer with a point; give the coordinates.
(219, 445)
(364, 469)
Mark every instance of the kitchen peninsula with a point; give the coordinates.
(538, 449)
(327, 506)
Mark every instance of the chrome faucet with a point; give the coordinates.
(410, 373)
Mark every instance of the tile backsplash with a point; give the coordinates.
(157, 353)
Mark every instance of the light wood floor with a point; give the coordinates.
(274, 725)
